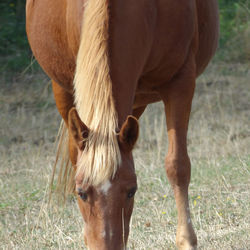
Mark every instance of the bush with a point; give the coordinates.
(234, 30)
(14, 48)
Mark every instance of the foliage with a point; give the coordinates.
(14, 49)
(234, 29)
(15, 53)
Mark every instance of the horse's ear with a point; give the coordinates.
(78, 130)
(129, 132)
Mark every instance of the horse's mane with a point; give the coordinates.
(93, 96)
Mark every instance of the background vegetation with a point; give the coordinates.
(15, 54)
(14, 49)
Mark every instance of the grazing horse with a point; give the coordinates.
(109, 59)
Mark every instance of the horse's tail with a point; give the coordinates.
(93, 96)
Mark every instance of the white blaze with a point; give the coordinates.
(105, 187)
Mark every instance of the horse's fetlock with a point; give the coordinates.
(187, 243)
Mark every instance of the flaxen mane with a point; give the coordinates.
(93, 96)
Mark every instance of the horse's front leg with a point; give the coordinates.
(177, 97)
(64, 103)
(64, 100)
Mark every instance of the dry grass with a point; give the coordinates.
(219, 142)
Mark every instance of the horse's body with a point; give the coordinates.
(156, 49)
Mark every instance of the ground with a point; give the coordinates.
(218, 143)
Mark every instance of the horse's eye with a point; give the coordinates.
(83, 195)
(131, 192)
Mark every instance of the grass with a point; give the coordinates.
(218, 142)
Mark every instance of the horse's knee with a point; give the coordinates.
(178, 170)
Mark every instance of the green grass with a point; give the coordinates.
(218, 143)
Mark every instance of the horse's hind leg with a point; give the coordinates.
(177, 97)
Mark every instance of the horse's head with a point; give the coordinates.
(107, 207)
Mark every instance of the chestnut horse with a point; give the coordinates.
(108, 60)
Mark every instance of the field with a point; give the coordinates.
(218, 143)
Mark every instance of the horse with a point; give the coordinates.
(109, 59)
